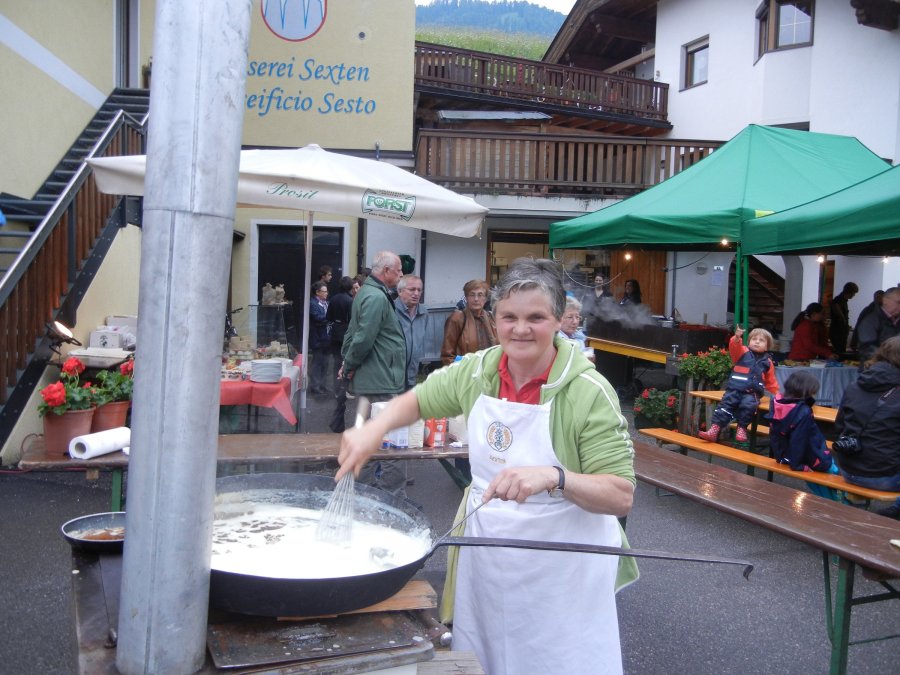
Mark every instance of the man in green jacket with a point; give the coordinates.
(374, 354)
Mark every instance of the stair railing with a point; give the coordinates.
(34, 288)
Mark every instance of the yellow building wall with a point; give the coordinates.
(42, 116)
(113, 291)
(348, 85)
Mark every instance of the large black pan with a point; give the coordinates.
(268, 596)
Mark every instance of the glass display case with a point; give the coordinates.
(262, 331)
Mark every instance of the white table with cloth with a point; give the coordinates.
(832, 381)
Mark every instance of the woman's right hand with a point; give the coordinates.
(357, 446)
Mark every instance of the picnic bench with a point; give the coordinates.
(238, 450)
(754, 461)
(857, 538)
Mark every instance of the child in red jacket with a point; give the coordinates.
(753, 374)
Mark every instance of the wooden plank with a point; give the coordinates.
(241, 449)
(417, 594)
(857, 535)
(451, 663)
(627, 350)
(767, 463)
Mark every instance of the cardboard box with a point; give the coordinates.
(417, 434)
(436, 432)
(395, 438)
(457, 429)
(106, 339)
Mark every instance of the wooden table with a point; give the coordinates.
(276, 395)
(856, 537)
(623, 349)
(238, 449)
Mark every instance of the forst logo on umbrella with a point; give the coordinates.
(388, 204)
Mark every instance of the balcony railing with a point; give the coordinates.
(552, 165)
(482, 74)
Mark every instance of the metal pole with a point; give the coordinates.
(200, 59)
(307, 292)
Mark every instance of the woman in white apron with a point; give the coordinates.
(546, 438)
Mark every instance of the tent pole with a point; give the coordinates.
(745, 268)
(737, 286)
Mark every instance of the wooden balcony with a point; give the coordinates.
(546, 165)
(600, 101)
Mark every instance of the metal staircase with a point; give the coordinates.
(53, 244)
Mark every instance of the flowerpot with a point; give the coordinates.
(643, 422)
(60, 429)
(110, 415)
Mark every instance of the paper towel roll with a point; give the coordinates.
(101, 443)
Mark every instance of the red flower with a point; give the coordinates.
(646, 393)
(73, 367)
(54, 394)
(670, 401)
(637, 408)
(127, 368)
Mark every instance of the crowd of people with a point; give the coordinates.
(867, 451)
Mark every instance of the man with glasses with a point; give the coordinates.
(374, 353)
(414, 320)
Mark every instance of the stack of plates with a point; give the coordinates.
(265, 370)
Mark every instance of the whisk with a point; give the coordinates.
(337, 519)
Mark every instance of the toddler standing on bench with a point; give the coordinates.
(752, 375)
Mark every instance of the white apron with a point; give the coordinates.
(523, 611)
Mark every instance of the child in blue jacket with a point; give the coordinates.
(796, 439)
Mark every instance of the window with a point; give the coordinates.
(784, 23)
(695, 57)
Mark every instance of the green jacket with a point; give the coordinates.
(587, 428)
(588, 431)
(374, 349)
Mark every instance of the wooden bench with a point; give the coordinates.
(754, 461)
(854, 536)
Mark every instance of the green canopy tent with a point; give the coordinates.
(760, 170)
(862, 219)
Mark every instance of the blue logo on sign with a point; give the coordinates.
(294, 20)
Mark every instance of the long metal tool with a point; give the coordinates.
(590, 548)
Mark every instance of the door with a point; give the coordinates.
(282, 260)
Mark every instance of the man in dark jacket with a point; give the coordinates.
(374, 354)
(839, 328)
(879, 325)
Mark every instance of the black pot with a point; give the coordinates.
(270, 596)
(78, 532)
(267, 596)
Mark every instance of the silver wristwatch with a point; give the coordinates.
(558, 490)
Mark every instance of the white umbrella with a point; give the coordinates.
(313, 179)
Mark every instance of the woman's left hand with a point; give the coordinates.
(519, 483)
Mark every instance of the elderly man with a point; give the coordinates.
(879, 325)
(415, 321)
(374, 353)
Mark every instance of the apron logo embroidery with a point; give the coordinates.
(499, 436)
